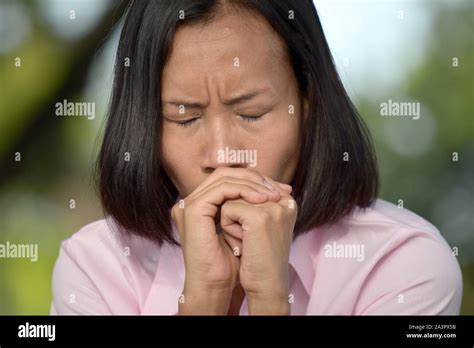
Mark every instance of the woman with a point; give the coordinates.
(238, 178)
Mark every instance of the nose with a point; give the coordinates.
(221, 143)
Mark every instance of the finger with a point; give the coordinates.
(213, 198)
(285, 201)
(235, 212)
(234, 229)
(240, 173)
(273, 195)
(287, 188)
(234, 243)
(288, 201)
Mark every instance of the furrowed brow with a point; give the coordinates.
(229, 101)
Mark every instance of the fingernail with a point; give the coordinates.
(268, 185)
(287, 187)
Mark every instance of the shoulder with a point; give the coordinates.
(388, 252)
(102, 239)
(387, 214)
(102, 270)
(97, 235)
(386, 224)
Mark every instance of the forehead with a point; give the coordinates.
(233, 48)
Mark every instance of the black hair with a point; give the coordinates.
(136, 190)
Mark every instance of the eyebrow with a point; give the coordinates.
(230, 101)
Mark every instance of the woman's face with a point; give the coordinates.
(210, 67)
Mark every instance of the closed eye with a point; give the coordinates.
(251, 118)
(248, 118)
(187, 123)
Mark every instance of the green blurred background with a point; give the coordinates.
(401, 50)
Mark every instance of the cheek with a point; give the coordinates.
(177, 160)
(278, 150)
(169, 150)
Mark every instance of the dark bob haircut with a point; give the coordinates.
(336, 172)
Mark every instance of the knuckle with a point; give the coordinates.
(224, 178)
(190, 207)
(226, 205)
(223, 185)
(292, 205)
(174, 211)
(263, 217)
(280, 212)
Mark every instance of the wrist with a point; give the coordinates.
(204, 301)
(275, 303)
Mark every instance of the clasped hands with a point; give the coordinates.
(256, 216)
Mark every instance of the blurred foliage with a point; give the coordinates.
(428, 181)
(57, 153)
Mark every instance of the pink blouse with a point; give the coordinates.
(381, 260)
